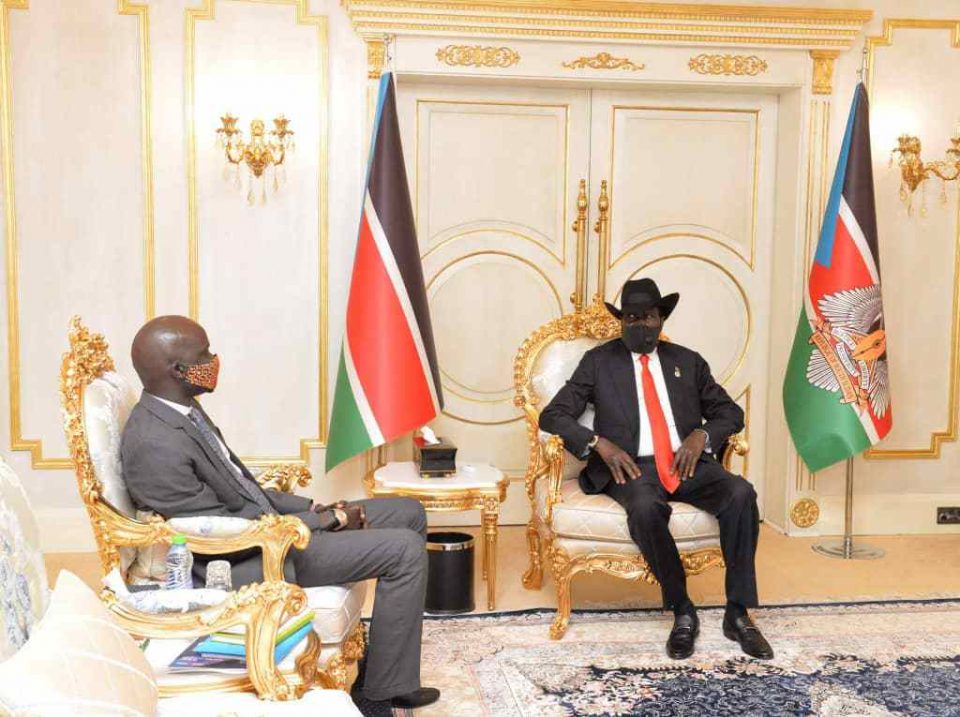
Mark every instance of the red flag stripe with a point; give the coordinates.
(859, 270)
(393, 270)
(396, 388)
(846, 254)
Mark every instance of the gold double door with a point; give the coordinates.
(675, 186)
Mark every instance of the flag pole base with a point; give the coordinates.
(845, 549)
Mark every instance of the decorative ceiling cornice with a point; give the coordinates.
(613, 20)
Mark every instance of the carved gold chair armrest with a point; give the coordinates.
(273, 534)
(736, 445)
(552, 447)
(284, 477)
(261, 608)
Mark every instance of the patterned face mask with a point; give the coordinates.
(203, 375)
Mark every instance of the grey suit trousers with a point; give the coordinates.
(392, 549)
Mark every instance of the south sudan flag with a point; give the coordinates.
(387, 382)
(836, 394)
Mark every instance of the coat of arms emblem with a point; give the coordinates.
(850, 354)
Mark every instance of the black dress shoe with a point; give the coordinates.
(686, 627)
(741, 629)
(418, 698)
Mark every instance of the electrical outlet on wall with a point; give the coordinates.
(948, 515)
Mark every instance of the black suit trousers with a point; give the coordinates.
(728, 497)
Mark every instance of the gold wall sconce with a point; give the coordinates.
(914, 172)
(257, 155)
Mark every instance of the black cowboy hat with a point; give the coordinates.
(638, 295)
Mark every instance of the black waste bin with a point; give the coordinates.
(450, 576)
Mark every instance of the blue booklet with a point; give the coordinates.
(194, 659)
(210, 646)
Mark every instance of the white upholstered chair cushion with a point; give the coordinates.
(337, 610)
(576, 547)
(77, 661)
(555, 364)
(23, 578)
(600, 518)
(107, 403)
(210, 526)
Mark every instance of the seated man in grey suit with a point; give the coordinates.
(177, 463)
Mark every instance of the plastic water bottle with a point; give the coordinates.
(179, 565)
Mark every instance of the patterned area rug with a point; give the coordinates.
(874, 659)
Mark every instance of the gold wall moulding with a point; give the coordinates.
(823, 71)
(477, 56)
(951, 32)
(727, 65)
(446, 387)
(126, 8)
(258, 153)
(421, 150)
(655, 23)
(750, 260)
(207, 13)
(603, 61)
(805, 513)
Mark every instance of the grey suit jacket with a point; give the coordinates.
(169, 469)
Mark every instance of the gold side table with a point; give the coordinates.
(475, 486)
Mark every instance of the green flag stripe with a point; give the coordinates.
(824, 430)
(349, 435)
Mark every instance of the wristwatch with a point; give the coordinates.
(342, 518)
(593, 442)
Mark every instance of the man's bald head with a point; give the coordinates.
(161, 350)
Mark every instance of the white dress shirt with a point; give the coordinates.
(185, 410)
(646, 433)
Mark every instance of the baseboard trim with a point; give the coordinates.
(883, 514)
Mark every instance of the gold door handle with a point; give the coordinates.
(579, 295)
(602, 228)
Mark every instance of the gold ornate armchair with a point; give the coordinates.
(575, 532)
(96, 403)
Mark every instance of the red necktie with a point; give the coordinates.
(662, 451)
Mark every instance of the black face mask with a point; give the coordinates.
(640, 339)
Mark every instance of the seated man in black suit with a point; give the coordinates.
(659, 416)
(177, 463)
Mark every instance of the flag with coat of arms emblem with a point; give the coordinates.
(836, 394)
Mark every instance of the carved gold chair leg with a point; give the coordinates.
(337, 673)
(356, 645)
(334, 675)
(533, 577)
(562, 576)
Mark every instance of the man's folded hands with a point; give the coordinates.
(349, 516)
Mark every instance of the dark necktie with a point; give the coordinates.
(662, 450)
(252, 491)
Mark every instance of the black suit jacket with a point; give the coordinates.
(606, 378)
(169, 468)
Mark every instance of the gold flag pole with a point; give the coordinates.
(845, 548)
